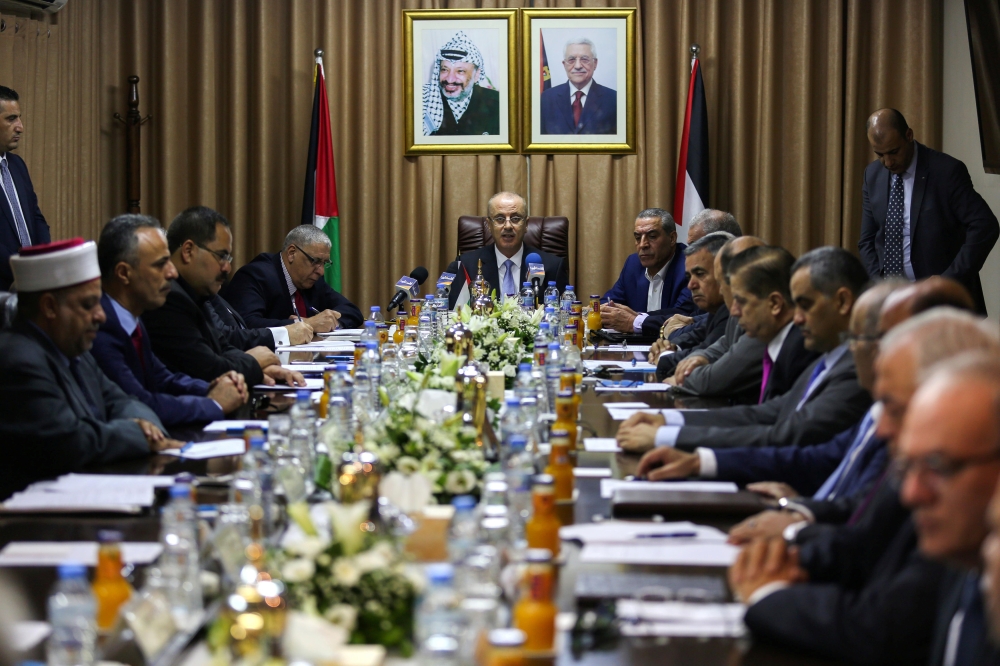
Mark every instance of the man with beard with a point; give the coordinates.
(455, 101)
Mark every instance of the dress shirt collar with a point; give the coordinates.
(125, 318)
(288, 278)
(662, 274)
(585, 90)
(774, 346)
(831, 358)
(911, 171)
(517, 259)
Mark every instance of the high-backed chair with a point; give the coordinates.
(8, 308)
(548, 234)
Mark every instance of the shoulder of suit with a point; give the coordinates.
(489, 93)
(604, 89)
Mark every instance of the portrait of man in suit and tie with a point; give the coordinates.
(581, 105)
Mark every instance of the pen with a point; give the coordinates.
(313, 310)
(633, 362)
(668, 535)
(187, 446)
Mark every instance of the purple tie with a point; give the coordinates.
(768, 364)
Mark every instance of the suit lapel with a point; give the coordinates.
(917, 199)
(880, 203)
(113, 325)
(77, 401)
(566, 108)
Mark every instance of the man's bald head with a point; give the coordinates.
(891, 139)
(864, 329)
(932, 292)
(711, 220)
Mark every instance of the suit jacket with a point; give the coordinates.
(184, 338)
(38, 228)
(713, 329)
(632, 289)
(599, 116)
(691, 335)
(482, 116)
(952, 229)
(836, 403)
(792, 360)
(734, 369)
(175, 397)
(47, 426)
(556, 269)
(949, 604)
(225, 318)
(258, 291)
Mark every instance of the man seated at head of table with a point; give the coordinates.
(875, 586)
(135, 272)
(825, 400)
(651, 286)
(58, 412)
(182, 331)
(277, 289)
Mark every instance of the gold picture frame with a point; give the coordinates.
(489, 36)
(606, 119)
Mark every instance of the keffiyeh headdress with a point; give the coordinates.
(458, 49)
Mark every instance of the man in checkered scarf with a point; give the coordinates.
(460, 98)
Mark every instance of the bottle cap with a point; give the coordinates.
(496, 487)
(340, 367)
(440, 572)
(109, 536)
(376, 308)
(507, 638)
(513, 402)
(526, 284)
(518, 442)
(369, 323)
(524, 367)
(557, 433)
(538, 555)
(371, 344)
(72, 570)
(302, 394)
(440, 644)
(570, 287)
(544, 326)
(463, 502)
(181, 489)
(543, 480)
(554, 345)
(552, 283)
(256, 442)
(549, 310)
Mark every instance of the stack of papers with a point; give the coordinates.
(607, 385)
(235, 425)
(649, 543)
(601, 445)
(312, 384)
(307, 368)
(216, 448)
(89, 493)
(54, 553)
(608, 486)
(325, 345)
(680, 618)
(344, 333)
(620, 411)
(627, 366)
(631, 348)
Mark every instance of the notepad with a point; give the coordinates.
(54, 553)
(680, 618)
(234, 425)
(601, 445)
(312, 384)
(215, 448)
(630, 348)
(608, 486)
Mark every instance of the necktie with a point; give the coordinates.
(892, 259)
(300, 304)
(867, 501)
(8, 188)
(74, 366)
(508, 280)
(768, 365)
(137, 343)
(577, 108)
(817, 371)
(835, 481)
(973, 629)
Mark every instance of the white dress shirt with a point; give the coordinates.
(17, 198)
(515, 270)
(654, 294)
(585, 90)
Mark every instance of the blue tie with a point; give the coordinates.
(8, 187)
(835, 481)
(817, 371)
(973, 631)
(508, 280)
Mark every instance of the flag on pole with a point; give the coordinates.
(319, 203)
(691, 195)
(546, 76)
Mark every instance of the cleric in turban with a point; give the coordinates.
(460, 99)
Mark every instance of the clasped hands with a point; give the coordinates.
(618, 317)
(273, 370)
(763, 562)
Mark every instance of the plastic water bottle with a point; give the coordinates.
(179, 565)
(554, 320)
(438, 613)
(527, 297)
(339, 407)
(302, 437)
(539, 382)
(441, 305)
(464, 530)
(523, 385)
(370, 334)
(568, 296)
(425, 334)
(371, 362)
(541, 346)
(73, 616)
(553, 368)
(376, 315)
(511, 422)
(551, 294)
(519, 468)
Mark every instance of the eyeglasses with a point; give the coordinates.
(938, 466)
(502, 220)
(325, 263)
(582, 60)
(221, 256)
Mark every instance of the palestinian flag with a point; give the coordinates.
(546, 77)
(691, 195)
(319, 203)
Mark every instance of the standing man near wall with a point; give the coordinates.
(21, 220)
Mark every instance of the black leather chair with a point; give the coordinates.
(548, 234)
(8, 308)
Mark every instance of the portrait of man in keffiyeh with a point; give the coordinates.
(459, 98)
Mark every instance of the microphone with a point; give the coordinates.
(536, 272)
(408, 287)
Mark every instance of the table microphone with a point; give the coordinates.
(407, 286)
(536, 272)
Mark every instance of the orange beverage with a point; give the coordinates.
(560, 468)
(571, 334)
(383, 334)
(566, 410)
(415, 304)
(110, 589)
(397, 337)
(506, 648)
(359, 350)
(535, 614)
(594, 317)
(577, 307)
(542, 529)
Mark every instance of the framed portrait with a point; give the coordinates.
(460, 84)
(579, 80)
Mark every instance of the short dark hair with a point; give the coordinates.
(666, 219)
(196, 224)
(118, 242)
(711, 243)
(765, 269)
(8, 94)
(831, 268)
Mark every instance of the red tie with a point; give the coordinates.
(768, 364)
(300, 304)
(137, 343)
(577, 108)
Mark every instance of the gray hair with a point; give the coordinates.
(489, 202)
(118, 241)
(580, 40)
(666, 219)
(941, 333)
(306, 234)
(712, 220)
(711, 243)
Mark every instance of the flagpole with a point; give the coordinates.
(695, 50)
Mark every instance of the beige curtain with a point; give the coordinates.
(228, 83)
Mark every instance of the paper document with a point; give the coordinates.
(591, 472)
(307, 368)
(639, 532)
(601, 445)
(54, 553)
(619, 414)
(25, 635)
(87, 481)
(97, 499)
(680, 618)
(234, 425)
(629, 348)
(608, 386)
(312, 384)
(627, 405)
(343, 333)
(665, 552)
(330, 345)
(215, 448)
(608, 486)
(638, 366)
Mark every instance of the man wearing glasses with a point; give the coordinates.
(581, 105)
(276, 289)
(504, 265)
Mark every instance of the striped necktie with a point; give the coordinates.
(8, 187)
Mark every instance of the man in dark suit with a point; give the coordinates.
(58, 412)
(135, 272)
(504, 264)
(21, 220)
(455, 102)
(282, 288)
(825, 400)
(652, 285)
(182, 331)
(581, 105)
(920, 215)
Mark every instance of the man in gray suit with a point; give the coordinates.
(58, 412)
(825, 400)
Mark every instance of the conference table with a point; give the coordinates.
(588, 506)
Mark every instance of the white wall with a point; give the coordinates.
(961, 133)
